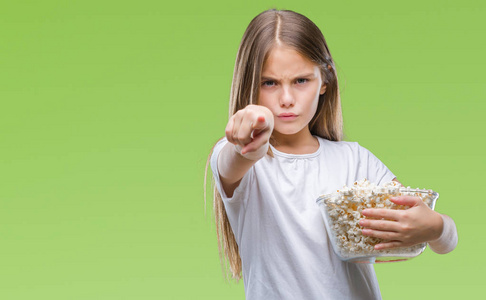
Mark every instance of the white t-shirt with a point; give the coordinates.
(279, 228)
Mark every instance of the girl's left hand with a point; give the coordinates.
(402, 228)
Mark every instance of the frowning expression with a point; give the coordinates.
(290, 88)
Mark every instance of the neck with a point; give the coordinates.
(299, 143)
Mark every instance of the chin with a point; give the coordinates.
(288, 131)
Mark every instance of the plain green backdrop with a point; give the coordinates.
(108, 110)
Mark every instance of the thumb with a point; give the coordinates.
(406, 200)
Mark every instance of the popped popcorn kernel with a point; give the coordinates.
(342, 213)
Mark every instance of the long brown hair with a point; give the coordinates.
(270, 28)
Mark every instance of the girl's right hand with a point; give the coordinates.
(249, 129)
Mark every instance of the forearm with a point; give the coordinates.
(232, 166)
(248, 133)
(448, 239)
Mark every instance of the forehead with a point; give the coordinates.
(283, 61)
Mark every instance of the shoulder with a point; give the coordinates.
(221, 142)
(346, 146)
(344, 150)
(213, 156)
(241, 191)
(218, 146)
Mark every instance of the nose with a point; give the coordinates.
(287, 98)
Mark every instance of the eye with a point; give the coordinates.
(301, 80)
(268, 83)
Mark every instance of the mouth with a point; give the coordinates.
(287, 116)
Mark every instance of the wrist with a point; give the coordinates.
(439, 227)
(447, 240)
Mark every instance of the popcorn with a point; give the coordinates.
(342, 213)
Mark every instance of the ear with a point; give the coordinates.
(323, 89)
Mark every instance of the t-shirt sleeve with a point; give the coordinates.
(241, 192)
(376, 171)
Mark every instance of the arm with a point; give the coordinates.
(403, 228)
(248, 133)
(448, 239)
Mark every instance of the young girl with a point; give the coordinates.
(283, 150)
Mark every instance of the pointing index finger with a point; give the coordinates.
(261, 123)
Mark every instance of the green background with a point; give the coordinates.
(108, 110)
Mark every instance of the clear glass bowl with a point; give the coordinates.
(341, 219)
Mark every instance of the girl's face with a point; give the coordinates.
(290, 88)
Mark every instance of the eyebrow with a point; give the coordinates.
(298, 76)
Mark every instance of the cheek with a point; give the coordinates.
(259, 99)
(312, 106)
(313, 109)
(263, 99)
(313, 101)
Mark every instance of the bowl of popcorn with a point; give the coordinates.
(342, 212)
